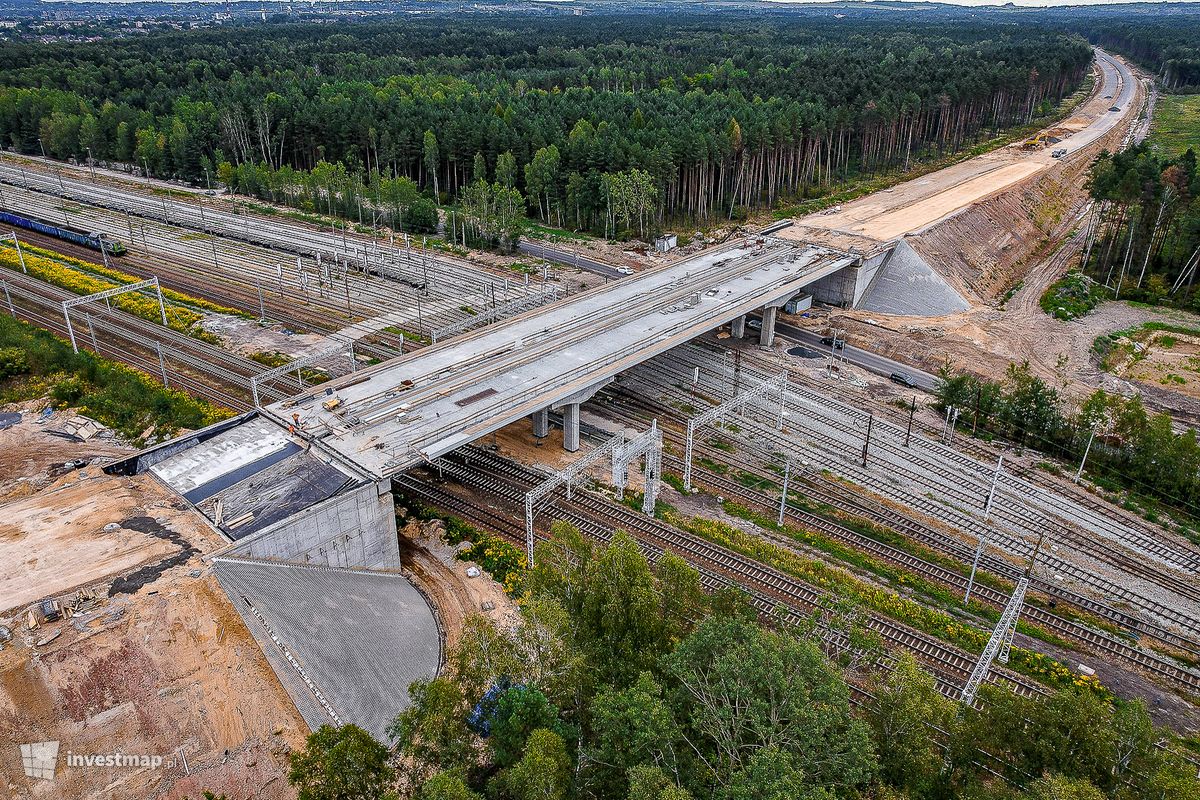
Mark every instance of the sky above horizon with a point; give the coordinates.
(1021, 3)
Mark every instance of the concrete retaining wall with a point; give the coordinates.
(354, 529)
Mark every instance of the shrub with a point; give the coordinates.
(12, 362)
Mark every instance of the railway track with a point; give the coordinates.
(210, 372)
(656, 378)
(969, 480)
(599, 517)
(179, 274)
(1093, 512)
(981, 451)
(131, 356)
(274, 251)
(1100, 644)
(632, 406)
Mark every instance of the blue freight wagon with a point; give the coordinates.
(96, 241)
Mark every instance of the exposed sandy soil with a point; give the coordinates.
(914, 205)
(1171, 360)
(986, 340)
(171, 667)
(163, 662)
(55, 540)
(31, 454)
(247, 337)
(432, 565)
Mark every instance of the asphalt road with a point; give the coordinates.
(872, 362)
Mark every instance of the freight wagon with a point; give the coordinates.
(96, 241)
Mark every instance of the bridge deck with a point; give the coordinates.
(429, 402)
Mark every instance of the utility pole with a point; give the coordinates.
(162, 364)
(1086, 450)
(948, 428)
(787, 472)
(17, 244)
(987, 508)
(867, 441)
(103, 251)
(987, 514)
(912, 410)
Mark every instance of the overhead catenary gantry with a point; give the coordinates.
(105, 295)
(776, 385)
(999, 645)
(297, 365)
(647, 445)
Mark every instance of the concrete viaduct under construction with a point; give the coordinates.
(308, 478)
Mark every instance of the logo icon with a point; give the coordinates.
(40, 759)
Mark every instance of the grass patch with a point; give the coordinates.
(278, 359)
(1071, 296)
(1012, 290)
(39, 364)
(535, 230)
(1113, 348)
(1176, 123)
(404, 333)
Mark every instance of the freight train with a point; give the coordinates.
(96, 241)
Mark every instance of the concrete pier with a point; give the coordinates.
(767, 334)
(541, 423)
(571, 427)
(738, 327)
